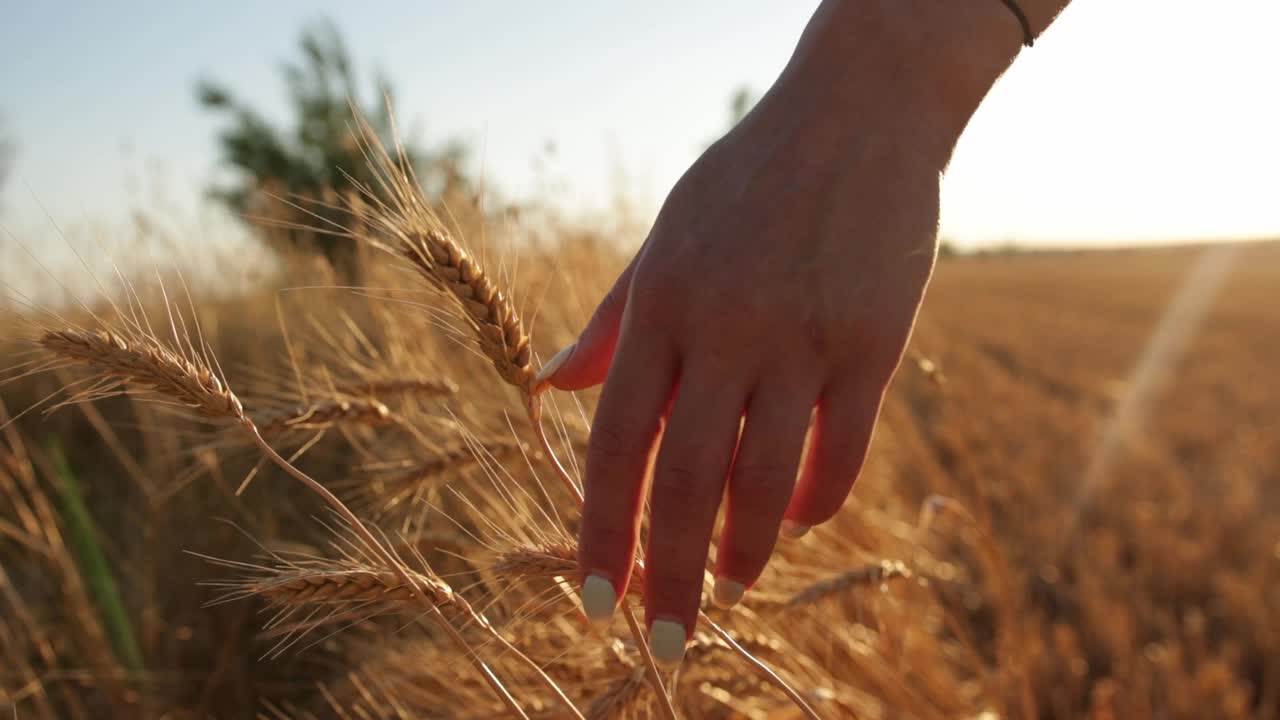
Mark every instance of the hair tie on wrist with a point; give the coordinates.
(1028, 38)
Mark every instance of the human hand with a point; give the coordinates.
(779, 284)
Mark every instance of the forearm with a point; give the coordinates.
(922, 66)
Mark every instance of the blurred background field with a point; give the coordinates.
(1077, 469)
(1147, 587)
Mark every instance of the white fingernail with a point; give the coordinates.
(726, 593)
(793, 530)
(598, 601)
(667, 639)
(553, 365)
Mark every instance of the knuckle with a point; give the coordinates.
(616, 441)
(681, 489)
(763, 487)
(674, 588)
(816, 335)
(763, 476)
(610, 303)
(662, 575)
(654, 296)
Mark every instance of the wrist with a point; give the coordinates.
(962, 48)
(914, 69)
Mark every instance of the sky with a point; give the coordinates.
(1130, 120)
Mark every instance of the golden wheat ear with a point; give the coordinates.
(306, 592)
(497, 330)
(397, 218)
(139, 361)
(871, 575)
(326, 414)
(135, 361)
(549, 560)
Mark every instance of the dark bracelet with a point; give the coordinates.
(1028, 39)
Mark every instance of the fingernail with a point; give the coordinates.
(544, 375)
(793, 530)
(667, 639)
(598, 601)
(726, 593)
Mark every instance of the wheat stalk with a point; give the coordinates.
(621, 697)
(398, 386)
(705, 644)
(453, 459)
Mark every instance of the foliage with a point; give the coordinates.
(318, 160)
(740, 103)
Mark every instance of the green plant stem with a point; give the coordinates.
(93, 564)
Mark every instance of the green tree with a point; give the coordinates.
(318, 159)
(740, 103)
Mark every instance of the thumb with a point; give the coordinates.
(586, 362)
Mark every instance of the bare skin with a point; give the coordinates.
(778, 285)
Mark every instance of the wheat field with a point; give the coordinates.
(319, 501)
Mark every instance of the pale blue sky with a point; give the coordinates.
(1131, 120)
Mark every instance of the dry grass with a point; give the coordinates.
(1151, 592)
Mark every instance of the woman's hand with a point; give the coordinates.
(778, 285)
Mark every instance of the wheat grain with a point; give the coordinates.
(344, 585)
(143, 362)
(874, 574)
(345, 582)
(545, 560)
(551, 560)
(408, 228)
(499, 332)
(327, 413)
